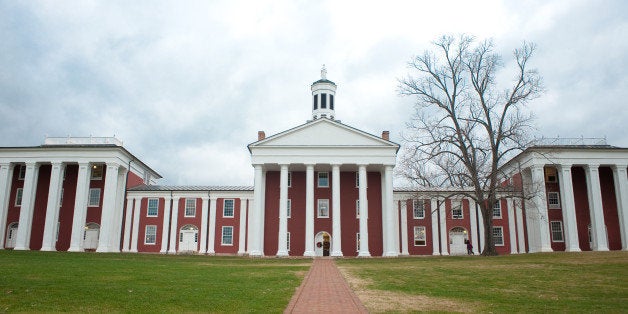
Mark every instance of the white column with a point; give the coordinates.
(621, 194)
(242, 234)
(384, 213)
(80, 207)
(6, 173)
(364, 227)
(404, 228)
(211, 239)
(443, 227)
(336, 246)
(569, 208)
(119, 212)
(309, 211)
(26, 210)
(392, 249)
(126, 245)
(261, 228)
(108, 208)
(520, 232)
(164, 227)
(52, 208)
(204, 212)
(174, 228)
(481, 227)
(137, 205)
(474, 225)
(539, 222)
(511, 226)
(435, 234)
(256, 214)
(250, 234)
(596, 211)
(282, 248)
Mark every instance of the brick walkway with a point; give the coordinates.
(324, 290)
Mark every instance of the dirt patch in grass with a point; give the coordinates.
(378, 301)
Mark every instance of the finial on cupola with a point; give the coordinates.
(323, 94)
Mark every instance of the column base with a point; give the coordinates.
(282, 254)
(364, 254)
(47, 249)
(21, 248)
(256, 254)
(172, 252)
(75, 249)
(336, 254)
(445, 254)
(309, 254)
(436, 253)
(391, 254)
(546, 250)
(604, 249)
(575, 249)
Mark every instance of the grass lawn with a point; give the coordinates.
(32, 281)
(564, 282)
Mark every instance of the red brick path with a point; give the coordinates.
(324, 290)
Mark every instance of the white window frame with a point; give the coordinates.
(357, 242)
(500, 236)
(289, 208)
(90, 198)
(558, 223)
(148, 208)
(418, 207)
(102, 172)
(190, 211)
(553, 205)
(19, 194)
(418, 237)
(357, 179)
(455, 209)
(318, 207)
(224, 207)
(289, 179)
(153, 234)
(326, 177)
(222, 240)
(61, 197)
(21, 173)
(357, 208)
(288, 240)
(497, 207)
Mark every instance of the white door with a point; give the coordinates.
(11, 236)
(457, 245)
(90, 241)
(188, 240)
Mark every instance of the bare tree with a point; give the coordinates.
(466, 124)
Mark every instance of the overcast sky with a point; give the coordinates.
(187, 85)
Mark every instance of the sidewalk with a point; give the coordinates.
(324, 290)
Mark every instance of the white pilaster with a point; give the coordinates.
(392, 225)
(538, 223)
(137, 205)
(621, 194)
(569, 208)
(520, 232)
(435, 234)
(211, 245)
(481, 227)
(404, 228)
(385, 214)
(255, 245)
(107, 217)
(364, 227)
(442, 209)
(164, 227)
(52, 208)
(174, 226)
(6, 173)
(309, 211)
(242, 234)
(114, 242)
(336, 246)
(474, 225)
(511, 226)
(80, 207)
(261, 228)
(596, 211)
(126, 245)
(204, 212)
(282, 248)
(250, 234)
(26, 210)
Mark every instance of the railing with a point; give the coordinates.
(575, 141)
(82, 141)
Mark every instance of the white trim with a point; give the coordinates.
(224, 207)
(318, 207)
(89, 197)
(502, 235)
(318, 179)
(414, 238)
(562, 231)
(19, 195)
(557, 204)
(154, 228)
(497, 206)
(187, 202)
(222, 237)
(148, 207)
(421, 204)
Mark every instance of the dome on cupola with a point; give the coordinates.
(323, 94)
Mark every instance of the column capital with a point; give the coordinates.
(592, 166)
(564, 166)
(112, 164)
(310, 165)
(619, 166)
(537, 166)
(205, 198)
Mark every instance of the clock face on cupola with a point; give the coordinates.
(323, 94)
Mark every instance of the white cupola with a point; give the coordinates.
(323, 94)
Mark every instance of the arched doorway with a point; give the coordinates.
(90, 237)
(188, 238)
(323, 243)
(11, 235)
(458, 238)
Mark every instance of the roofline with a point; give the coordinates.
(534, 148)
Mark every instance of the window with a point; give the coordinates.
(289, 208)
(498, 236)
(94, 198)
(227, 235)
(288, 241)
(357, 242)
(323, 179)
(315, 102)
(323, 101)
(419, 236)
(61, 197)
(357, 179)
(550, 175)
(553, 200)
(151, 234)
(227, 209)
(22, 172)
(456, 212)
(97, 172)
(323, 208)
(357, 208)
(190, 207)
(497, 209)
(557, 231)
(418, 209)
(153, 207)
(18, 197)
(289, 179)
(331, 102)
